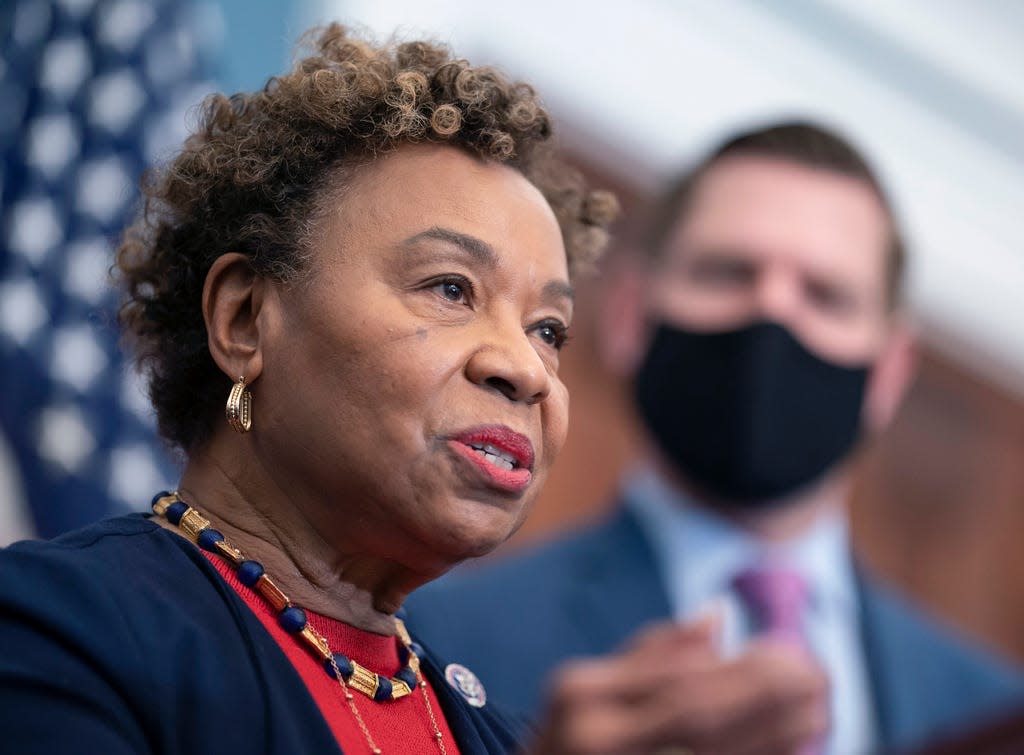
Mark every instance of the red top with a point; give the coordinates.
(397, 726)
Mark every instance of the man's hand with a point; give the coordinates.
(669, 691)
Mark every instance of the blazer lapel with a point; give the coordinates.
(616, 586)
(878, 661)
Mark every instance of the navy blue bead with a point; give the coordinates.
(403, 654)
(383, 689)
(329, 669)
(344, 664)
(158, 496)
(292, 619)
(208, 538)
(416, 648)
(249, 573)
(175, 512)
(406, 675)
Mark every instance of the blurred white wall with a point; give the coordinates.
(931, 89)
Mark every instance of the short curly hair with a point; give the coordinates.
(250, 177)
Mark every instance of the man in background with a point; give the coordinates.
(768, 340)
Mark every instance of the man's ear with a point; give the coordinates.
(232, 297)
(891, 377)
(621, 316)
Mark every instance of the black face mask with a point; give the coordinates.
(748, 416)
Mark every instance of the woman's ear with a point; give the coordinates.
(233, 295)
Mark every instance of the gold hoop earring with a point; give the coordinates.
(239, 407)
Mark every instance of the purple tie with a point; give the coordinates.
(776, 599)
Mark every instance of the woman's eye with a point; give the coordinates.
(453, 290)
(553, 334)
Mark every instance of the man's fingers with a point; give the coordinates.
(670, 688)
(702, 632)
(770, 698)
(656, 657)
(794, 691)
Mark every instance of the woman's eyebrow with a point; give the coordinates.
(484, 253)
(481, 251)
(559, 290)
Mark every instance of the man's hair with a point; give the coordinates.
(802, 143)
(256, 173)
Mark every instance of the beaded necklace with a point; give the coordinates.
(350, 674)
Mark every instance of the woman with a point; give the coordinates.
(370, 262)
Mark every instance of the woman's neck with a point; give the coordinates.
(270, 527)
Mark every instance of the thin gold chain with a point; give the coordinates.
(350, 699)
(430, 712)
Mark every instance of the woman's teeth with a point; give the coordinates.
(494, 455)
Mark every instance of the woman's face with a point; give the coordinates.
(409, 399)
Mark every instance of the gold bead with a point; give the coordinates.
(348, 695)
(439, 736)
(423, 684)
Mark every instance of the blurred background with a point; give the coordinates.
(91, 91)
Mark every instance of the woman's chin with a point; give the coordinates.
(481, 531)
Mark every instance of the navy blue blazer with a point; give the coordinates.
(122, 639)
(514, 620)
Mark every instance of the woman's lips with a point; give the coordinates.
(503, 457)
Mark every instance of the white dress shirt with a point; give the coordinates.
(699, 554)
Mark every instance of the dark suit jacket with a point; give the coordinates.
(513, 621)
(123, 639)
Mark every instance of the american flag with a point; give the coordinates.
(91, 92)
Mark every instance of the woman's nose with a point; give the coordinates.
(508, 362)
